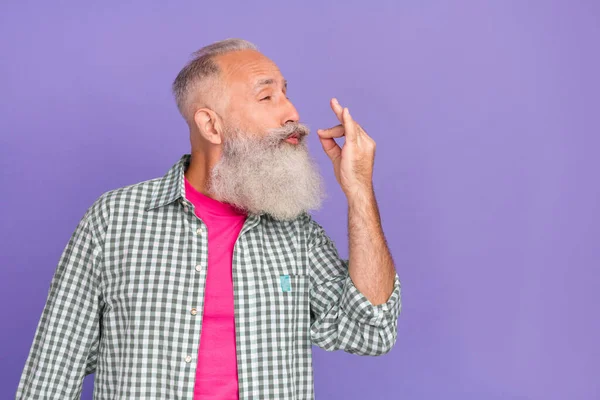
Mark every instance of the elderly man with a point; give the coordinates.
(213, 281)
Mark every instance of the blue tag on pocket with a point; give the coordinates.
(285, 283)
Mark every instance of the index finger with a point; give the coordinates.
(337, 109)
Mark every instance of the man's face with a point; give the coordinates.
(256, 92)
(261, 168)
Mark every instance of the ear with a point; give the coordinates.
(209, 125)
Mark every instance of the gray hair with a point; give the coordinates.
(200, 69)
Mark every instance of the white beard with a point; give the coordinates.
(264, 174)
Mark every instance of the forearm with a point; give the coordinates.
(371, 266)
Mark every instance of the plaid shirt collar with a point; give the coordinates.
(171, 187)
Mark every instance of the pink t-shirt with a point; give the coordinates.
(216, 371)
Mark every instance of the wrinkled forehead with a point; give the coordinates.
(244, 70)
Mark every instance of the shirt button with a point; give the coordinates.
(199, 231)
(198, 267)
(185, 208)
(188, 359)
(193, 311)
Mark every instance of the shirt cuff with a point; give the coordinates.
(360, 309)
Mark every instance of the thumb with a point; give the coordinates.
(334, 132)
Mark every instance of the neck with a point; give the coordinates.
(198, 172)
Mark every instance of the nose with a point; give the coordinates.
(291, 114)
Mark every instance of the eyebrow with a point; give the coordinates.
(268, 81)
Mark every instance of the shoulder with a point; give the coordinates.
(114, 202)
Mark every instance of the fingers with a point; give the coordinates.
(337, 108)
(343, 115)
(334, 132)
(332, 149)
(349, 126)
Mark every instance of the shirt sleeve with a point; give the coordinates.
(341, 316)
(65, 344)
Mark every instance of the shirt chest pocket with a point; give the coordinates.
(286, 306)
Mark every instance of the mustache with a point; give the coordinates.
(291, 128)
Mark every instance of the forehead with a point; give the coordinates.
(244, 69)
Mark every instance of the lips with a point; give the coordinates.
(293, 138)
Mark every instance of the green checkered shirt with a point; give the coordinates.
(119, 302)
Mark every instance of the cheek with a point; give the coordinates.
(260, 119)
(255, 117)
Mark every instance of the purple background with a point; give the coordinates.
(486, 116)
